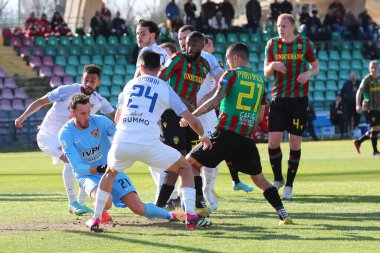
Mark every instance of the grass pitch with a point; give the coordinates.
(335, 207)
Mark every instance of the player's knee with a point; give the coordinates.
(194, 163)
(110, 172)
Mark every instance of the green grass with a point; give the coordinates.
(336, 208)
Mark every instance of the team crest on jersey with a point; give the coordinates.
(299, 46)
(176, 140)
(164, 124)
(95, 133)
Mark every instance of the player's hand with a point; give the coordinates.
(359, 109)
(183, 123)
(18, 122)
(279, 67)
(303, 77)
(207, 144)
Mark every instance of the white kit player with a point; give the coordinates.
(137, 137)
(57, 116)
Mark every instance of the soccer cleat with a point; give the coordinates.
(288, 193)
(204, 212)
(173, 204)
(178, 216)
(286, 221)
(357, 145)
(242, 186)
(106, 218)
(278, 184)
(200, 202)
(194, 221)
(88, 210)
(376, 153)
(93, 224)
(76, 208)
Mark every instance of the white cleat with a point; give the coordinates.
(288, 193)
(278, 184)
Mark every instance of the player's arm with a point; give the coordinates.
(112, 115)
(359, 94)
(196, 125)
(210, 104)
(163, 76)
(260, 116)
(313, 71)
(271, 67)
(32, 108)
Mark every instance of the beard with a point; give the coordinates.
(87, 91)
(194, 57)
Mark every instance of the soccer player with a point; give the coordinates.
(288, 57)
(241, 96)
(137, 137)
(370, 89)
(185, 73)
(85, 143)
(147, 33)
(57, 116)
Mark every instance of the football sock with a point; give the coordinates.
(233, 172)
(82, 196)
(374, 143)
(293, 162)
(100, 203)
(275, 158)
(69, 182)
(209, 175)
(188, 198)
(271, 195)
(152, 211)
(198, 185)
(163, 197)
(363, 138)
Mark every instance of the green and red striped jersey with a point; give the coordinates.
(186, 77)
(245, 93)
(371, 93)
(295, 56)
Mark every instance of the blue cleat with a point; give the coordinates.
(76, 208)
(242, 186)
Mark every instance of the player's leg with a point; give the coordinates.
(374, 132)
(366, 136)
(293, 163)
(209, 178)
(236, 183)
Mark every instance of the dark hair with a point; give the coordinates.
(169, 45)
(79, 99)
(211, 38)
(240, 49)
(186, 28)
(92, 69)
(196, 36)
(153, 27)
(150, 60)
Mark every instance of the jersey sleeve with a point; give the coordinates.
(175, 102)
(268, 56)
(67, 142)
(61, 93)
(207, 86)
(227, 81)
(311, 52)
(173, 65)
(106, 108)
(108, 125)
(215, 66)
(364, 84)
(120, 101)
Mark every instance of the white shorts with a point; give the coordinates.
(208, 121)
(50, 145)
(156, 154)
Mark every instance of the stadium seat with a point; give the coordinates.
(18, 105)
(113, 101)
(244, 37)
(109, 59)
(74, 50)
(323, 66)
(60, 60)
(120, 70)
(38, 51)
(319, 86)
(333, 65)
(254, 58)
(27, 42)
(40, 41)
(346, 45)
(345, 65)
(9, 82)
(220, 48)
(344, 75)
(84, 60)
(105, 80)
(64, 41)
(131, 69)
(357, 55)
(219, 57)
(52, 41)
(128, 77)
(255, 38)
(311, 87)
(118, 80)
(330, 96)
(123, 50)
(111, 50)
(78, 79)
(72, 60)
(77, 40)
(321, 76)
(107, 70)
(58, 71)
(89, 40)
(334, 55)
(62, 50)
(35, 62)
(71, 70)
(15, 42)
(126, 41)
(331, 86)
(45, 72)
(332, 75)
(80, 68)
(51, 50)
(346, 55)
(55, 81)
(357, 45)
(115, 91)
(220, 38)
(232, 38)
(5, 105)
(356, 65)
(97, 60)
(318, 96)
(7, 93)
(68, 80)
(101, 40)
(87, 50)
(104, 91)
(121, 60)
(2, 73)
(113, 40)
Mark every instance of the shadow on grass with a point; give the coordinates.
(27, 197)
(336, 199)
(124, 238)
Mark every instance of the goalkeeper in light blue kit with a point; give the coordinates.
(85, 142)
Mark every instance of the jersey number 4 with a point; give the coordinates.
(141, 91)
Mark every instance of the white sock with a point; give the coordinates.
(209, 177)
(69, 182)
(101, 200)
(174, 193)
(188, 198)
(82, 196)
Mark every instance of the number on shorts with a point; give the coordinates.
(139, 93)
(296, 122)
(242, 95)
(124, 183)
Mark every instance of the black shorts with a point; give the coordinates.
(180, 138)
(288, 114)
(372, 117)
(229, 146)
